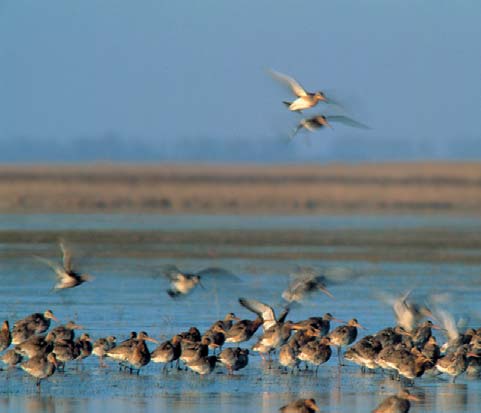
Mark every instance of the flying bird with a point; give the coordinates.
(321, 121)
(182, 283)
(304, 100)
(67, 277)
(308, 280)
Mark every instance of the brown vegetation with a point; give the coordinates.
(209, 189)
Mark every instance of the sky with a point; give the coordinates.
(166, 77)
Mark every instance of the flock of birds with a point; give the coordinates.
(305, 100)
(406, 350)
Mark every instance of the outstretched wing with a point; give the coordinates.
(262, 310)
(220, 274)
(347, 121)
(66, 256)
(171, 272)
(59, 271)
(296, 88)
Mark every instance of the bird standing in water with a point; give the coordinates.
(40, 367)
(344, 335)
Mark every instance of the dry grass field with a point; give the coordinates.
(247, 189)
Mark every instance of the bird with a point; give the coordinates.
(203, 365)
(132, 353)
(226, 323)
(36, 345)
(264, 311)
(83, 346)
(66, 331)
(300, 406)
(234, 358)
(320, 121)
(67, 277)
(167, 351)
(243, 330)
(454, 363)
(305, 281)
(399, 403)
(36, 323)
(64, 350)
(316, 352)
(40, 367)
(101, 346)
(5, 336)
(304, 100)
(180, 283)
(364, 352)
(344, 335)
(12, 358)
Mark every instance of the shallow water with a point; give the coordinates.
(129, 294)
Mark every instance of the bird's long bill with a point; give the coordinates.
(55, 318)
(152, 340)
(436, 327)
(413, 397)
(201, 285)
(469, 354)
(360, 326)
(338, 320)
(326, 291)
(87, 277)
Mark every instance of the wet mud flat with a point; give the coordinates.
(129, 293)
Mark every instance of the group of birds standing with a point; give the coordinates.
(406, 350)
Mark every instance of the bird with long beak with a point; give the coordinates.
(139, 354)
(344, 335)
(67, 277)
(305, 100)
(300, 406)
(36, 323)
(66, 331)
(399, 403)
(321, 121)
(40, 367)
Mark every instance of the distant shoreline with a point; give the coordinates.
(384, 188)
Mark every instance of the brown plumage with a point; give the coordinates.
(300, 406)
(40, 367)
(396, 404)
(5, 336)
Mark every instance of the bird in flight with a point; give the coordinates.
(67, 277)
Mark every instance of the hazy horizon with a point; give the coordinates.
(156, 81)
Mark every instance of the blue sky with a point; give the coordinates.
(163, 72)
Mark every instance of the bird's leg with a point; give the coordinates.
(339, 359)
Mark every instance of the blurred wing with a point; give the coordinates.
(347, 121)
(338, 275)
(449, 324)
(66, 256)
(296, 88)
(261, 309)
(171, 272)
(219, 273)
(59, 271)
